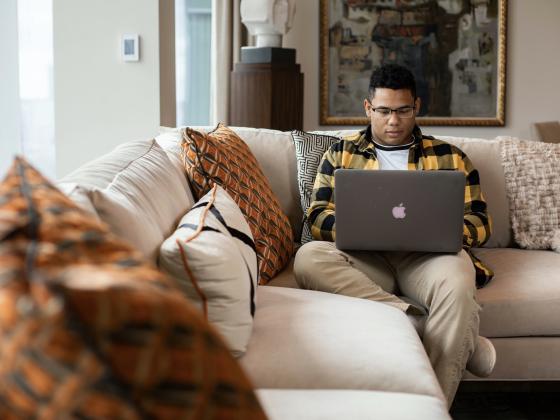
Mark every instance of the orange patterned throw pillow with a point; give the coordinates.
(222, 157)
(88, 330)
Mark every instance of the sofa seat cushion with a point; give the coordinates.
(524, 359)
(523, 299)
(305, 339)
(297, 404)
(286, 277)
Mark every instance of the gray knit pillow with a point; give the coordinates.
(310, 148)
(532, 174)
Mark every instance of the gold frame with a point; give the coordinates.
(499, 120)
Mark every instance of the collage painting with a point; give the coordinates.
(455, 48)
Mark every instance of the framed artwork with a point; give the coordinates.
(456, 50)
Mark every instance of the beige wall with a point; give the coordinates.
(533, 60)
(101, 101)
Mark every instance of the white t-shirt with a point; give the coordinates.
(393, 157)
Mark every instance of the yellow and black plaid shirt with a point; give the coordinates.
(426, 153)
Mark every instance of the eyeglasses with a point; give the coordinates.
(384, 112)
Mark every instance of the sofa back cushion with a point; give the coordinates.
(275, 152)
(485, 156)
(276, 155)
(138, 191)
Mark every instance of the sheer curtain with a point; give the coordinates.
(226, 44)
(35, 28)
(26, 83)
(192, 61)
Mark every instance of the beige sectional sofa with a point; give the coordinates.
(520, 306)
(317, 355)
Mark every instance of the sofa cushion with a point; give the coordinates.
(78, 195)
(314, 340)
(523, 299)
(286, 278)
(138, 191)
(524, 359)
(513, 302)
(310, 149)
(222, 157)
(532, 173)
(529, 358)
(298, 404)
(88, 329)
(212, 257)
(486, 158)
(274, 150)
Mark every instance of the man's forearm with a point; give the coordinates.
(476, 229)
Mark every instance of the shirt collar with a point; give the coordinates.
(366, 142)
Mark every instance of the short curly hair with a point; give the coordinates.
(392, 76)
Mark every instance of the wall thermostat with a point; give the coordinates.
(130, 47)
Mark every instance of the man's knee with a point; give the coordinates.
(459, 280)
(452, 279)
(309, 261)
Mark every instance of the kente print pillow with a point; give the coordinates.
(87, 329)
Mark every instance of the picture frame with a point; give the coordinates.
(455, 48)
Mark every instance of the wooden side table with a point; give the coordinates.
(267, 95)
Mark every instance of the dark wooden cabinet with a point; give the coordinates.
(267, 95)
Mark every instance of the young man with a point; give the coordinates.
(443, 285)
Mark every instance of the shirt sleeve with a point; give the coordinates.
(477, 226)
(320, 214)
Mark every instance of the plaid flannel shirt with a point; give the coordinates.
(426, 153)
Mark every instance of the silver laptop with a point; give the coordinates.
(399, 210)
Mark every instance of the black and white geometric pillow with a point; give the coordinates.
(310, 149)
(212, 257)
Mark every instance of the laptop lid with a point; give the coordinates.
(399, 210)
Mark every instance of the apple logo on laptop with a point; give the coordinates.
(399, 211)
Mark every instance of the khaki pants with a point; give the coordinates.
(442, 284)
